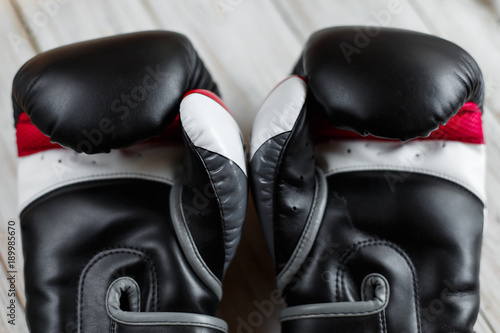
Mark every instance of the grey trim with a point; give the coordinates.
(262, 183)
(308, 236)
(229, 183)
(374, 294)
(124, 285)
(135, 318)
(187, 243)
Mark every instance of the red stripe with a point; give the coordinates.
(466, 126)
(30, 140)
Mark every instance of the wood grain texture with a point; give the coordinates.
(16, 49)
(248, 46)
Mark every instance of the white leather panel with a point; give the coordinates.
(458, 162)
(46, 171)
(211, 127)
(279, 111)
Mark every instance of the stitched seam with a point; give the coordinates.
(195, 250)
(277, 169)
(332, 314)
(350, 252)
(368, 312)
(384, 321)
(281, 128)
(335, 314)
(274, 188)
(299, 247)
(355, 247)
(198, 255)
(365, 296)
(221, 210)
(167, 322)
(98, 258)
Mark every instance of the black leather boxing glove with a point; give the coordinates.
(137, 234)
(368, 179)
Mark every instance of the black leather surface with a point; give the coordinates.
(283, 179)
(124, 89)
(394, 84)
(200, 205)
(424, 237)
(214, 189)
(80, 238)
(294, 187)
(95, 280)
(423, 234)
(263, 167)
(369, 324)
(230, 187)
(64, 230)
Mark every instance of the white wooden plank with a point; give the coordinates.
(18, 325)
(482, 326)
(305, 18)
(17, 48)
(248, 46)
(476, 28)
(246, 58)
(490, 264)
(67, 22)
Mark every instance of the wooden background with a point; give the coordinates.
(249, 46)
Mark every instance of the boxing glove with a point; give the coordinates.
(367, 171)
(132, 187)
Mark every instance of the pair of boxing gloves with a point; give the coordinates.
(366, 167)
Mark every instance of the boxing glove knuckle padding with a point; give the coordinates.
(369, 231)
(137, 234)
